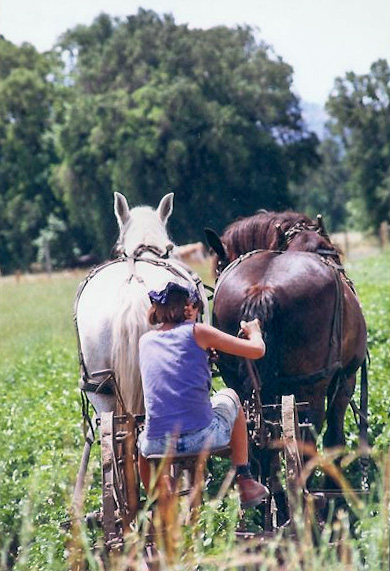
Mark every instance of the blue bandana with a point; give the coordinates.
(162, 296)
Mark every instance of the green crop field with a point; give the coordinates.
(42, 440)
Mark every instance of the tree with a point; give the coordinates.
(326, 188)
(26, 151)
(361, 120)
(157, 107)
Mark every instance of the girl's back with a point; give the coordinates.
(176, 378)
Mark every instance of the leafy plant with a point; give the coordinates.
(42, 440)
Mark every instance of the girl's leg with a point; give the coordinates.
(144, 471)
(226, 404)
(252, 493)
(239, 440)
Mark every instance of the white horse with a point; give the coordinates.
(112, 303)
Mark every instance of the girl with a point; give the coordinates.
(176, 381)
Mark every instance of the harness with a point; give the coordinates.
(142, 248)
(297, 228)
(93, 382)
(287, 236)
(89, 382)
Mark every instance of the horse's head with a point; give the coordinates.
(307, 240)
(143, 226)
(309, 236)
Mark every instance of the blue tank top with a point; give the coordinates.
(176, 381)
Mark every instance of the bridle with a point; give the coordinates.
(287, 236)
(144, 248)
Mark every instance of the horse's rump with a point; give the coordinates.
(111, 315)
(294, 295)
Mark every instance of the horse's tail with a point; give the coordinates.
(129, 324)
(261, 303)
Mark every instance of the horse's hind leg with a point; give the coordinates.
(339, 397)
(311, 411)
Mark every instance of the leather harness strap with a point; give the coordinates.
(85, 376)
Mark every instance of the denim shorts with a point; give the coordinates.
(225, 404)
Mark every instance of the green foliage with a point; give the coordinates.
(359, 107)
(371, 276)
(143, 106)
(38, 458)
(351, 185)
(40, 421)
(26, 111)
(325, 190)
(157, 106)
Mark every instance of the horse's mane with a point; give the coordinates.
(260, 231)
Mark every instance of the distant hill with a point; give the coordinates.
(315, 117)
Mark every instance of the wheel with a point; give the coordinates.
(292, 451)
(120, 492)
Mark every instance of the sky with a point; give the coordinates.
(320, 39)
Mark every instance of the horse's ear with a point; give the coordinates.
(215, 243)
(121, 209)
(164, 209)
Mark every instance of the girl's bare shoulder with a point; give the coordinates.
(202, 333)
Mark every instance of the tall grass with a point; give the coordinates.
(209, 541)
(41, 444)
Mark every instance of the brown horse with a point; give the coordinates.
(283, 269)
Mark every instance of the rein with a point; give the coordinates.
(226, 271)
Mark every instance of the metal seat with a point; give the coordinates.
(184, 470)
(183, 456)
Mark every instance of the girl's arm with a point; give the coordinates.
(252, 347)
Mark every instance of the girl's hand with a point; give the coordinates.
(207, 336)
(249, 328)
(213, 355)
